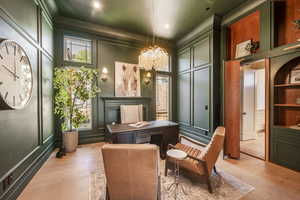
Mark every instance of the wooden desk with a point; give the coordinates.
(159, 132)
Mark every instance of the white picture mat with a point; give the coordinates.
(241, 50)
(127, 80)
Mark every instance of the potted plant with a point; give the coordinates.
(74, 87)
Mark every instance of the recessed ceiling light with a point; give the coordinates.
(167, 26)
(97, 4)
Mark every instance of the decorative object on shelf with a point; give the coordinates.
(154, 56)
(16, 76)
(74, 87)
(295, 75)
(127, 80)
(297, 100)
(242, 49)
(104, 73)
(147, 78)
(246, 48)
(297, 23)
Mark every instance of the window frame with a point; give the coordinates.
(171, 79)
(76, 64)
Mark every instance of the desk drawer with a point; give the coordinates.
(143, 139)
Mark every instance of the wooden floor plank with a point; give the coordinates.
(68, 178)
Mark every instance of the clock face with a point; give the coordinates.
(16, 79)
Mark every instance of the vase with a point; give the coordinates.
(70, 140)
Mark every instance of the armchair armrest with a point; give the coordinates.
(197, 159)
(191, 140)
(171, 146)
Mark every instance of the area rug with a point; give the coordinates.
(226, 187)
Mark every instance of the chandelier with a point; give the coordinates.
(153, 57)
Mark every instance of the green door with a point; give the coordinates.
(201, 98)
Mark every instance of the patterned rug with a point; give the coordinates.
(225, 186)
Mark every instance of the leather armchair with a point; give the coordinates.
(200, 161)
(132, 171)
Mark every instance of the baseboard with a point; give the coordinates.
(17, 187)
(90, 140)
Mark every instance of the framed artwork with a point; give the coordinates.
(295, 75)
(243, 49)
(127, 80)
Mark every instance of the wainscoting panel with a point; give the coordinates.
(112, 107)
(197, 83)
(24, 143)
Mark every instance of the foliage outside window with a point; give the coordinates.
(77, 50)
(162, 97)
(74, 89)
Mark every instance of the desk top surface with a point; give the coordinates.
(119, 128)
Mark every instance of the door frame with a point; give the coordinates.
(227, 98)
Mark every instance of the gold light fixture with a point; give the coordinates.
(147, 78)
(104, 73)
(154, 56)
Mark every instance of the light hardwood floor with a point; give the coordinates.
(68, 178)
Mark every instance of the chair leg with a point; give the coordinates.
(166, 167)
(106, 195)
(215, 170)
(207, 178)
(208, 184)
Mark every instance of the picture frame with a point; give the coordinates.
(243, 49)
(295, 75)
(127, 80)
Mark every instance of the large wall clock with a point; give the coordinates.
(16, 79)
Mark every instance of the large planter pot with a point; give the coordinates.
(70, 140)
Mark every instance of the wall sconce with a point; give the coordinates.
(147, 78)
(104, 73)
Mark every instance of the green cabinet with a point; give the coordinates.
(198, 82)
(201, 52)
(183, 96)
(201, 99)
(184, 61)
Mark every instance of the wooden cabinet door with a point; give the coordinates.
(232, 108)
(183, 105)
(201, 99)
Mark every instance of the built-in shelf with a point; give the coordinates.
(288, 105)
(288, 85)
(295, 127)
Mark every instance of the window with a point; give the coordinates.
(77, 50)
(162, 96)
(86, 109)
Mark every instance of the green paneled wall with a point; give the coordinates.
(183, 98)
(197, 83)
(106, 52)
(201, 98)
(23, 133)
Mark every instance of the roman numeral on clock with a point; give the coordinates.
(21, 58)
(14, 101)
(5, 96)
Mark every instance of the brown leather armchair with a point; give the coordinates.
(200, 161)
(132, 171)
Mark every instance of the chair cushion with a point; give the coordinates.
(131, 171)
(188, 163)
